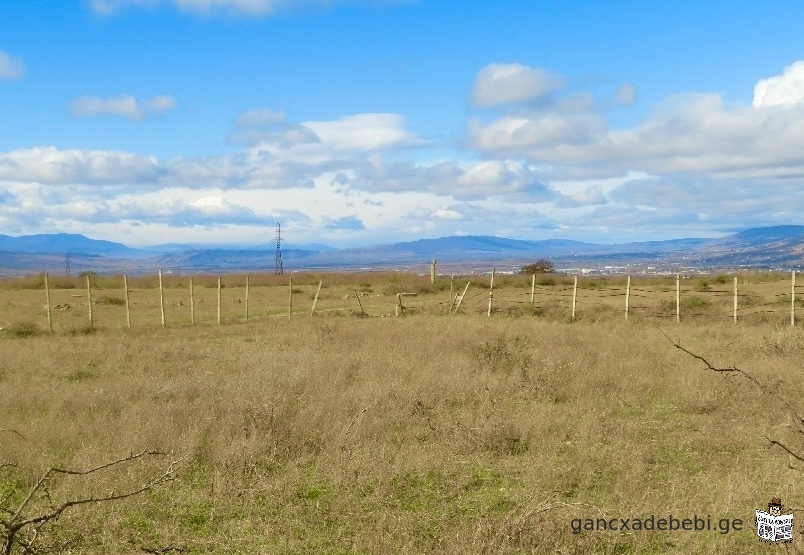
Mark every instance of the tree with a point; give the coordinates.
(541, 266)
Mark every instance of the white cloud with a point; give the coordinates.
(512, 83)
(469, 181)
(784, 89)
(694, 133)
(10, 67)
(261, 117)
(123, 105)
(49, 165)
(625, 95)
(365, 132)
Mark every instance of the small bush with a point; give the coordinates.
(702, 286)
(24, 329)
(546, 282)
(720, 280)
(116, 301)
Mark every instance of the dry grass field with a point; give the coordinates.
(429, 433)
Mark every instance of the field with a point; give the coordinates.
(347, 433)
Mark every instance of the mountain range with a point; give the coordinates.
(779, 247)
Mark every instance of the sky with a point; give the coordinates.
(361, 122)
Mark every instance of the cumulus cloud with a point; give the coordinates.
(346, 223)
(123, 105)
(498, 84)
(10, 67)
(365, 132)
(693, 133)
(261, 117)
(469, 181)
(784, 89)
(49, 165)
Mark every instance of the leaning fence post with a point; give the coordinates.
(735, 300)
(627, 295)
(357, 296)
(89, 303)
(128, 308)
(793, 299)
(465, 289)
(47, 299)
(532, 288)
(678, 298)
(574, 296)
(315, 300)
(161, 298)
(491, 291)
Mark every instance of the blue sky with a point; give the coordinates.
(373, 121)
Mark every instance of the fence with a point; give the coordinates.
(115, 302)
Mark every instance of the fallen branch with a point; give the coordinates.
(18, 524)
(797, 418)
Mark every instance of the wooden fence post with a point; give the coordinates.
(627, 295)
(793, 299)
(357, 296)
(465, 289)
(532, 288)
(491, 291)
(433, 272)
(735, 300)
(290, 297)
(451, 280)
(192, 302)
(574, 296)
(89, 303)
(246, 298)
(399, 307)
(128, 305)
(161, 298)
(47, 300)
(219, 300)
(315, 300)
(678, 298)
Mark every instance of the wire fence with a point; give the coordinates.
(75, 305)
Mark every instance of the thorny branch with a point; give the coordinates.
(797, 418)
(11, 528)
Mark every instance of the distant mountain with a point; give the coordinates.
(768, 247)
(63, 243)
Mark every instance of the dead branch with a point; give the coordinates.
(11, 528)
(798, 419)
(783, 446)
(11, 431)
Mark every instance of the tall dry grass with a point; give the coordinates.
(414, 435)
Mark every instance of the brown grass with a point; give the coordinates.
(426, 434)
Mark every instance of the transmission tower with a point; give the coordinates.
(278, 270)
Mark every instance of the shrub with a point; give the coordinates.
(24, 329)
(116, 301)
